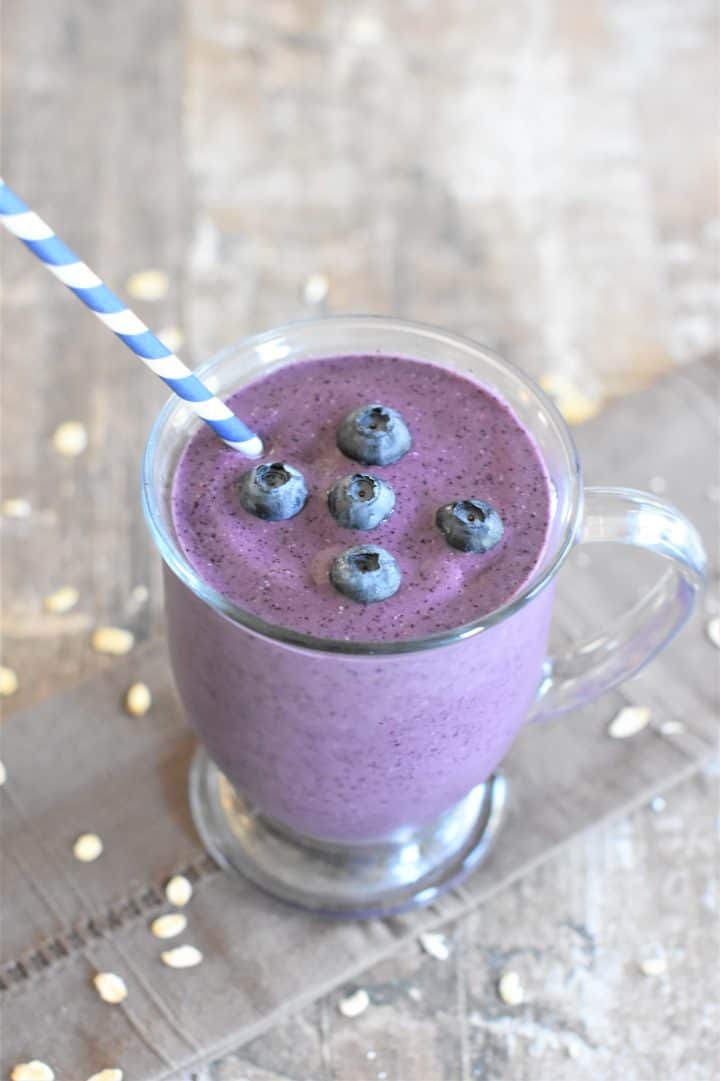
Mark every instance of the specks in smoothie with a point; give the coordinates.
(279, 571)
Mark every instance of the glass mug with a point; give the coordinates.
(360, 778)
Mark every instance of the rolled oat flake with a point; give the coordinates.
(179, 890)
(174, 923)
(87, 847)
(32, 1071)
(182, 957)
(110, 987)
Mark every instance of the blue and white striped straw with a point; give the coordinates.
(19, 220)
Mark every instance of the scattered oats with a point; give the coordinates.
(16, 508)
(713, 631)
(110, 987)
(32, 1071)
(355, 1004)
(114, 640)
(179, 891)
(436, 945)
(658, 485)
(174, 923)
(551, 384)
(139, 594)
(138, 700)
(107, 1075)
(629, 721)
(148, 284)
(8, 681)
(3, 774)
(87, 847)
(172, 337)
(182, 957)
(315, 289)
(672, 728)
(653, 966)
(70, 438)
(62, 600)
(510, 989)
(576, 405)
(658, 805)
(365, 30)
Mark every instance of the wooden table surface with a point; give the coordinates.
(541, 174)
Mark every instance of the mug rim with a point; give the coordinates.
(179, 565)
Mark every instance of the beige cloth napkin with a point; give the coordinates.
(78, 763)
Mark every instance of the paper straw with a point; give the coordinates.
(19, 220)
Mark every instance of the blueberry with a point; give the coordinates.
(361, 501)
(274, 491)
(373, 435)
(365, 574)
(470, 525)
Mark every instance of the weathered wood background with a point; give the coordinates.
(541, 174)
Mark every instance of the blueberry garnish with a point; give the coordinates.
(274, 491)
(361, 501)
(470, 525)
(373, 435)
(366, 573)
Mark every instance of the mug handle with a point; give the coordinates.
(626, 516)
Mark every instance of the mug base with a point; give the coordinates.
(409, 869)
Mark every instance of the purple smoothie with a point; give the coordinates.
(348, 747)
(466, 444)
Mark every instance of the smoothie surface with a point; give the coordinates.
(466, 444)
